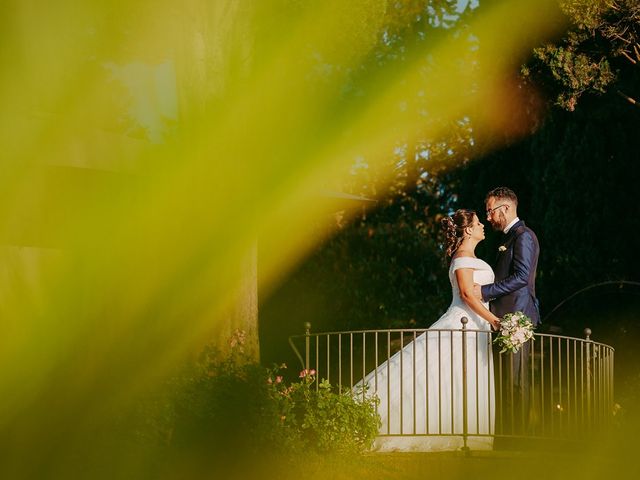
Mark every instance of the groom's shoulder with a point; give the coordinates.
(523, 231)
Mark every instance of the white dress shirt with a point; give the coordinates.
(511, 224)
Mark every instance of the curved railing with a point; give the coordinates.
(563, 389)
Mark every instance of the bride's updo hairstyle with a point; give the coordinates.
(453, 228)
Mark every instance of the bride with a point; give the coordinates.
(421, 393)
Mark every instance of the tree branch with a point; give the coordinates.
(632, 101)
(628, 57)
(615, 35)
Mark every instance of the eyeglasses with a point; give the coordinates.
(491, 210)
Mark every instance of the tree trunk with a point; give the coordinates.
(214, 50)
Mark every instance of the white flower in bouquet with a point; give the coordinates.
(516, 329)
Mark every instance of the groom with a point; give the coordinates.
(513, 290)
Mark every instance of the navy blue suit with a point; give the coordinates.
(514, 287)
(514, 290)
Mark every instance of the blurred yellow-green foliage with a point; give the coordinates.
(147, 145)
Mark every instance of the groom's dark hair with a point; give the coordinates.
(504, 193)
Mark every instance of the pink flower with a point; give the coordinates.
(238, 338)
(278, 379)
(305, 373)
(519, 336)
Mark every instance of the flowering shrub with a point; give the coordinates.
(217, 408)
(325, 420)
(515, 330)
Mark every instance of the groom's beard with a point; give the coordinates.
(499, 223)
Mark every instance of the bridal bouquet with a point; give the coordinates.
(515, 330)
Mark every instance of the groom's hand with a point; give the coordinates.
(477, 291)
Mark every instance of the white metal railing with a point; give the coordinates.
(453, 383)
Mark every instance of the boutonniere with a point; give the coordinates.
(502, 248)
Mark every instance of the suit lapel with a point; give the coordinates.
(508, 239)
(502, 268)
(511, 235)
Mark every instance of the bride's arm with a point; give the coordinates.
(465, 284)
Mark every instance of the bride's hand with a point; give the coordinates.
(495, 325)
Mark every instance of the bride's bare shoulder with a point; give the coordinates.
(456, 257)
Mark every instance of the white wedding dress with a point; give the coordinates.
(421, 392)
